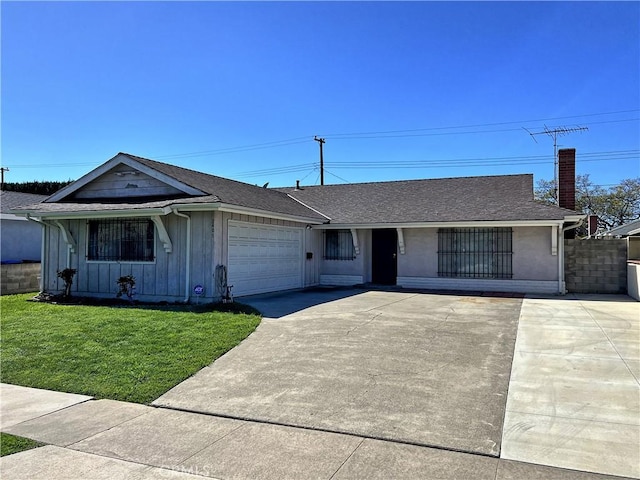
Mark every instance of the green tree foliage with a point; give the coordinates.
(39, 188)
(614, 206)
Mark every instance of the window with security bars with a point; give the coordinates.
(475, 252)
(121, 240)
(338, 245)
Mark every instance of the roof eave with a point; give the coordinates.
(188, 207)
(461, 224)
(121, 213)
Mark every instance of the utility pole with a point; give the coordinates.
(554, 133)
(2, 170)
(321, 142)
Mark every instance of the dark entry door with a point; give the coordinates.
(384, 265)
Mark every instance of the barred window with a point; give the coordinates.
(121, 239)
(338, 245)
(475, 252)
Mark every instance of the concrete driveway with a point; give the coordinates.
(419, 368)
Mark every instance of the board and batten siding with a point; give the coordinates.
(163, 279)
(119, 182)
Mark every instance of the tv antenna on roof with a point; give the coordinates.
(555, 133)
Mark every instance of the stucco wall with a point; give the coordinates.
(421, 253)
(20, 240)
(359, 267)
(532, 258)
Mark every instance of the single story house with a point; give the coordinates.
(20, 240)
(184, 234)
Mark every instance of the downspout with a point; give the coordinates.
(43, 251)
(68, 239)
(188, 266)
(561, 283)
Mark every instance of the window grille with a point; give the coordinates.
(121, 239)
(338, 245)
(475, 252)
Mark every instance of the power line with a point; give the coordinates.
(614, 155)
(360, 135)
(337, 176)
(478, 125)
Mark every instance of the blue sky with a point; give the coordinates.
(398, 90)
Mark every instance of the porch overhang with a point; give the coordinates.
(161, 211)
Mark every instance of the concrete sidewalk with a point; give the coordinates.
(105, 439)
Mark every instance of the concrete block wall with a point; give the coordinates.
(596, 265)
(19, 278)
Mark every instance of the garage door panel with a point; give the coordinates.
(264, 258)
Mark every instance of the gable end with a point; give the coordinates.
(123, 177)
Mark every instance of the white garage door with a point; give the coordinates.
(263, 258)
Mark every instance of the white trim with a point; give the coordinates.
(223, 207)
(554, 240)
(487, 285)
(486, 224)
(341, 280)
(184, 207)
(110, 164)
(354, 238)
(10, 216)
(307, 206)
(93, 214)
(67, 237)
(162, 233)
(400, 240)
(187, 274)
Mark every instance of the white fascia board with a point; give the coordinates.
(143, 212)
(575, 218)
(307, 206)
(11, 216)
(268, 214)
(225, 207)
(510, 223)
(105, 167)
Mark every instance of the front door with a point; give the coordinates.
(384, 252)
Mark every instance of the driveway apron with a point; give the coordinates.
(418, 368)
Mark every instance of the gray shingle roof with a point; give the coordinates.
(218, 189)
(491, 198)
(229, 191)
(630, 228)
(9, 200)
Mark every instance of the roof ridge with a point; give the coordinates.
(415, 180)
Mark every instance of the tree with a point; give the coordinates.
(614, 206)
(39, 188)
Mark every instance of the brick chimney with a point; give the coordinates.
(567, 178)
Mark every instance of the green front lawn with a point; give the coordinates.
(11, 444)
(129, 353)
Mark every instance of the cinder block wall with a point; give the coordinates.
(596, 265)
(19, 278)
